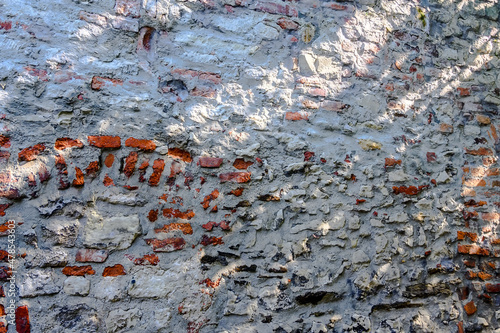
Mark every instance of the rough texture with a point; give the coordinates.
(250, 166)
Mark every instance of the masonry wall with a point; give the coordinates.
(249, 166)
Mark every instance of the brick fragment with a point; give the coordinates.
(473, 249)
(92, 169)
(147, 259)
(237, 192)
(470, 308)
(105, 141)
(390, 162)
(206, 240)
(110, 159)
(180, 154)
(64, 143)
(493, 288)
(212, 196)
(287, 24)
(175, 213)
(241, 164)
(296, 116)
(4, 156)
(158, 166)
(98, 82)
(184, 227)
(30, 153)
(153, 215)
(130, 8)
(91, 255)
(108, 181)
(410, 190)
(130, 163)
(3, 207)
(210, 162)
(79, 180)
(23, 320)
(78, 270)
(166, 245)
(146, 145)
(461, 235)
(237, 177)
(115, 270)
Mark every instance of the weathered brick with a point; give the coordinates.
(78, 270)
(128, 7)
(237, 177)
(147, 259)
(92, 169)
(470, 308)
(473, 249)
(287, 24)
(297, 116)
(91, 255)
(130, 163)
(105, 141)
(210, 162)
(23, 320)
(493, 288)
(241, 164)
(479, 152)
(30, 153)
(115, 270)
(180, 154)
(166, 245)
(212, 196)
(98, 82)
(107, 181)
(153, 215)
(79, 180)
(390, 162)
(158, 166)
(237, 192)
(206, 240)
(109, 160)
(4, 156)
(175, 213)
(184, 227)
(409, 190)
(146, 145)
(64, 143)
(276, 8)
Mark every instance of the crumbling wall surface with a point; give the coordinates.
(249, 166)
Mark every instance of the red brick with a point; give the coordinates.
(184, 227)
(40, 73)
(202, 91)
(297, 116)
(108, 181)
(390, 162)
(78, 181)
(30, 153)
(470, 308)
(241, 164)
(146, 145)
(287, 24)
(4, 141)
(204, 77)
(479, 152)
(115, 270)
(237, 177)
(5, 273)
(23, 320)
(64, 143)
(175, 169)
(130, 163)
(474, 203)
(147, 259)
(110, 159)
(91, 255)
(205, 240)
(105, 141)
(175, 213)
(212, 196)
(92, 169)
(180, 154)
(473, 249)
(166, 245)
(464, 91)
(158, 166)
(153, 215)
(471, 235)
(210, 162)
(78, 270)
(238, 192)
(6, 25)
(98, 82)
(3, 207)
(410, 190)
